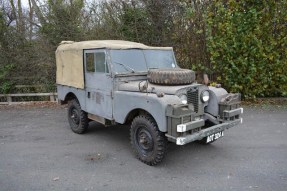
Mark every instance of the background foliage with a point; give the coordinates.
(247, 43)
(240, 44)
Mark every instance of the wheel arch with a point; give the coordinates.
(66, 93)
(134, 101)
(136, 112)
(69, 96)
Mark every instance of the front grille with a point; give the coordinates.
(192, 97)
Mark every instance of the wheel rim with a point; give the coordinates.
(74, 115)
(144, 140)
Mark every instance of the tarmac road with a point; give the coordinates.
(39, 152)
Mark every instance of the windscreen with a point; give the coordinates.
(160, 58)
(138, 60)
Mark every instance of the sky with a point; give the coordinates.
(25, 3)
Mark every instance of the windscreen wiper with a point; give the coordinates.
(126, 67)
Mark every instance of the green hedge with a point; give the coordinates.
(247, 42)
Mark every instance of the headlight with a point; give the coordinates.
(183, 98)
(205, 96)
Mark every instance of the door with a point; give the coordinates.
(98, 83)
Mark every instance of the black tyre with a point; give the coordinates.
(148, 143)
(78, 118)
(174, 76)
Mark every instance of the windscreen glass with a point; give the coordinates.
(160, 58)
(138, 60)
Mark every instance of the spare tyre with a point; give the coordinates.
(172, 76)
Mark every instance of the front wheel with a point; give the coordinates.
(77, 118)
(148, 143)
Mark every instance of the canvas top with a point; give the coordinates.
(110, 44)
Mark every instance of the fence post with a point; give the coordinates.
(9, 100)
(52, 97)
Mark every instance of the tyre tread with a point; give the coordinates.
(160, 141)
(84, 121)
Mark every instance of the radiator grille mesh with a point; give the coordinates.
(192, 97)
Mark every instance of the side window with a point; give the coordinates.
(90, 62)
(101, 62)
(96, 62)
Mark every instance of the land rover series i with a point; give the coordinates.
(121, 82)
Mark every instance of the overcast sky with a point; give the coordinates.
(25, 3)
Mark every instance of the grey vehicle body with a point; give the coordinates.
(113, 88)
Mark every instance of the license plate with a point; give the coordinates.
(214, 137)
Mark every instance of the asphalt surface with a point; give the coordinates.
(39, 152)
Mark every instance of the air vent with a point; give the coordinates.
(192, 97)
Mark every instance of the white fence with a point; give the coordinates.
(9, 97)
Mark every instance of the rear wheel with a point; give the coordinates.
(77, 118)
(148, 143)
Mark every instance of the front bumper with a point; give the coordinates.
(191, 131)
(206, 132)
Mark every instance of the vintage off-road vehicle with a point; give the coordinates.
(122, 82)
